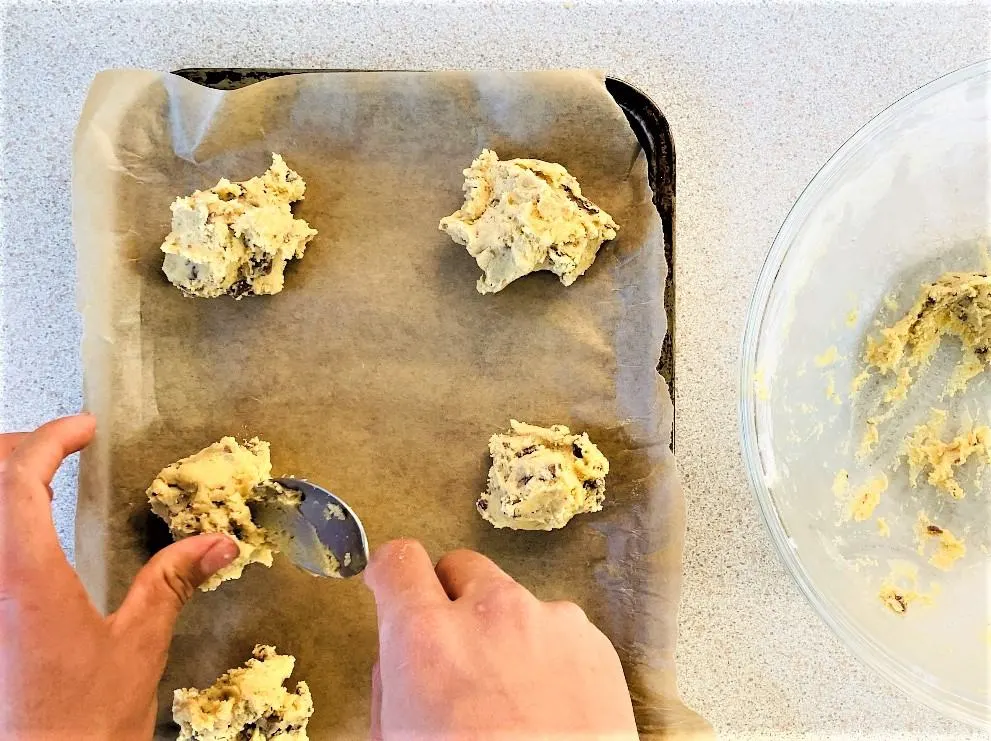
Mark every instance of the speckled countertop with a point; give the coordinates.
(757, 96)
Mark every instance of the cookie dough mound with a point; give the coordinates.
(246, 704)
(525, 215)
(957, 304)
(542, 477)
(237, 238)
(208, 492)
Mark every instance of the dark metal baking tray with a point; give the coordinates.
(646, 120)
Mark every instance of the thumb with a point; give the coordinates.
(166, 583)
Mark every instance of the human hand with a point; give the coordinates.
(467, 654)
(66, 671)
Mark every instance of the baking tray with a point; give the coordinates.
(648, 123)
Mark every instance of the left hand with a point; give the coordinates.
(66, 671)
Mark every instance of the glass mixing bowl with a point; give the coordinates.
(903, 201)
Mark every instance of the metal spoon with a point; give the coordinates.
(317, 531)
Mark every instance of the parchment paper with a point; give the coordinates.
(379, 372)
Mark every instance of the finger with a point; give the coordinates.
(9, 441)
(166, 583)
(25, 498)
(464, 572)
(401, 576)
(375, 734)
(39, 455)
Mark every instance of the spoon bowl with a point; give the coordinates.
(317, 530)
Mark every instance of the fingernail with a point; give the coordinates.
(219, 555)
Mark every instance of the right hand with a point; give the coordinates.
(467, 654)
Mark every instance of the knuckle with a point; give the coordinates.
(506, 590)
(422, 623)
(424, 640)
(178, 584)
(569, 611)
(508, 595)
(10, 475)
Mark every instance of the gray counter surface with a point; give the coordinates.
(758, 97)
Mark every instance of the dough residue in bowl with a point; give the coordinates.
(928, 454)
(955, 304)
(900, 589)
(865, 499)
(949, 548)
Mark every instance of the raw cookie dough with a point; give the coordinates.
(870, 439)
(900, 589)
(828, 357)
(864, 500)
(525, 215)
(841, 482)
(542, 477)
(246, 704)
(897, 598)
(831, 389)
(957, 304)
(926, 452)
(236, 238)
(761, 389)
(208, 492)
(949, 548)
